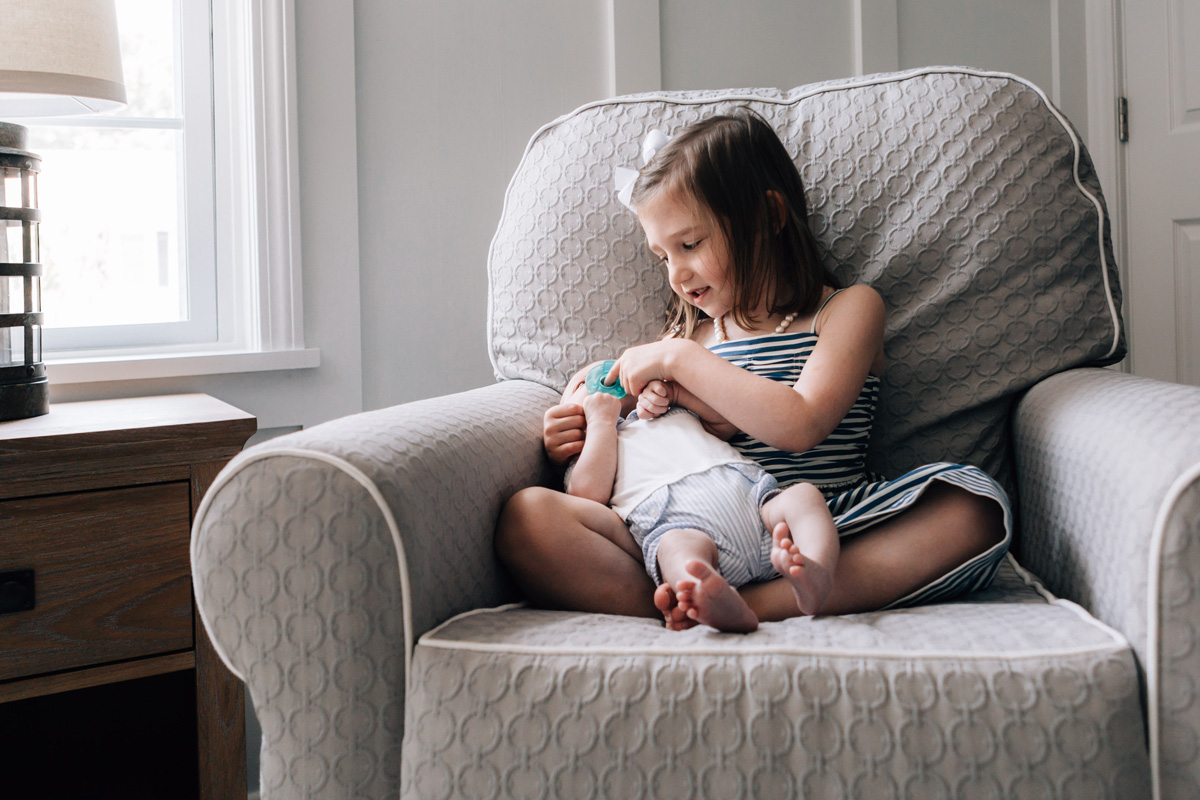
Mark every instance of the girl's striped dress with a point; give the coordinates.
(837, 466)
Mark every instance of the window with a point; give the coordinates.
(169, 227)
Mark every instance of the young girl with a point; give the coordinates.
(759, 334)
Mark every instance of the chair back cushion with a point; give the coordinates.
(965, 198)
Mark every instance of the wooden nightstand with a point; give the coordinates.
(96, 504)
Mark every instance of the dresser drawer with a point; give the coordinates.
(111, 574)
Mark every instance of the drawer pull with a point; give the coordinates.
(16, 591)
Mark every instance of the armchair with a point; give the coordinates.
(346, 572)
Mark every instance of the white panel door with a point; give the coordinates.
(1162, 57)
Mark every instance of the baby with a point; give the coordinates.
(707, 518)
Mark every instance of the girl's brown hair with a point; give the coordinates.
(734, 167)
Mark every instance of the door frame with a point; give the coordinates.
(1105, 85)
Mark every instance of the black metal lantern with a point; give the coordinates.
(24, 390)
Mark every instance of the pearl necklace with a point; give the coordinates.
(719, 325)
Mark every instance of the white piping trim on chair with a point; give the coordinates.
(1118, 643)
(870, 81)
(373, 490)
(1154, 622)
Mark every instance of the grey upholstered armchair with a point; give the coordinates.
(346, 572)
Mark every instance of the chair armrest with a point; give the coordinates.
(1108, 472)
(319, 558)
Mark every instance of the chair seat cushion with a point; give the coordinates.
(980, 698)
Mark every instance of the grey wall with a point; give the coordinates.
(449, 92)
(1041, 40)
(715, 44)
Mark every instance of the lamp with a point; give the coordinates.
(57, 57)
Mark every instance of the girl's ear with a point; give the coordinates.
(778, 209)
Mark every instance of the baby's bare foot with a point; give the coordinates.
(710, 600)
(674, 615)
(811, 582)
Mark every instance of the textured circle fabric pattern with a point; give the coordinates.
(968, 700)
(1124, 540)
(312, 598)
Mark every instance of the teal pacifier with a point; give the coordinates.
(595, 381)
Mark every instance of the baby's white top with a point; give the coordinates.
(656, 452)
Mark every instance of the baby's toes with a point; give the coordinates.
(664, 598)
(779, 559)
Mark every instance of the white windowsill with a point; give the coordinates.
(134, 368)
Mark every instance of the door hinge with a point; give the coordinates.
(1123, 119)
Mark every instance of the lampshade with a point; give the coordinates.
(59, 57)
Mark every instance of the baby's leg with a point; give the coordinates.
(687, 561)
(804, 543)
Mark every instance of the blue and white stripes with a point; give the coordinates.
(837, 466)
(837, 462)
(873, 502)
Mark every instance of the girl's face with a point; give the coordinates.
(692, 248)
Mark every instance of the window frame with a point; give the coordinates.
(253, 244)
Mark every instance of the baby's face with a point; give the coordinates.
(576, 391)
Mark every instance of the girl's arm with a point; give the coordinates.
(594, 473)
(713, 422)
(794, 418)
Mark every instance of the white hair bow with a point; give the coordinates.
(625, 178)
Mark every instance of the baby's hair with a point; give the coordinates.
(727, 165)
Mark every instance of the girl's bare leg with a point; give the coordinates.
(569, 553)
(687, 560)
(804, 544)
(946, 528)
(566, 552)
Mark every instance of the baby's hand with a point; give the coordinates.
(562, 432)
(655, 399)
(601, 409)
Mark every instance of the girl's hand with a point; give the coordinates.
(562, 432)
(639, 365)
(656, 399)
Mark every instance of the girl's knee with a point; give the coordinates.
(977, 517)
(523, 518)
(530, 502)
